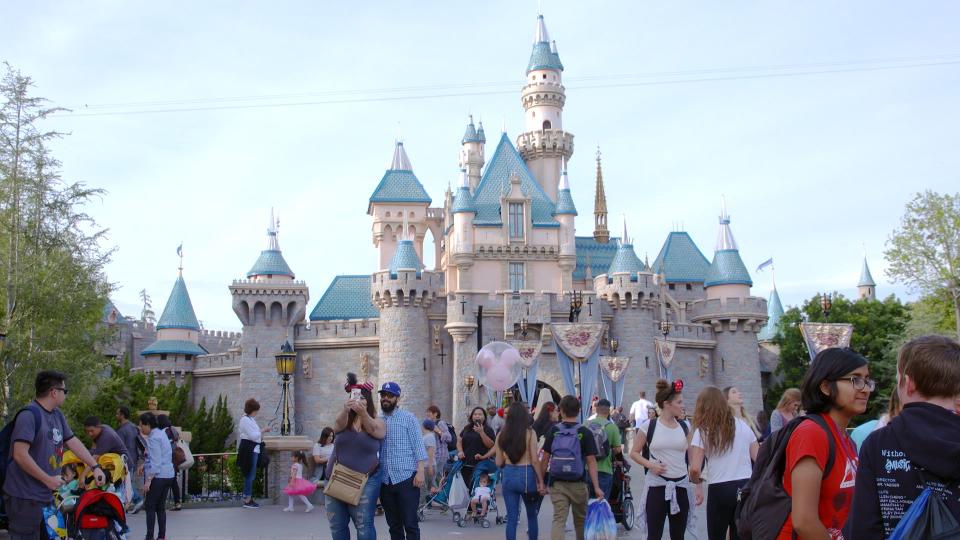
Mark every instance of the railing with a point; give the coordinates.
(217, 477)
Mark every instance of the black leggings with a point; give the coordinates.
(155, 504)
(721, 507)
(659, 509)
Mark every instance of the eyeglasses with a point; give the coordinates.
(859, 383)
(62, 389)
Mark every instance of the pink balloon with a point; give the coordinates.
(498, 365)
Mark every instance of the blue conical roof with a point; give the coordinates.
(866, 279)
(399, 184)
(544, 56)
(680, 260)
(774, 312)
(565, 203)
(727, 267)
(178, 313)
(405, 258)
(481, 136)
(625, 261)
(470, 135)
(270, 262)
(463, 201)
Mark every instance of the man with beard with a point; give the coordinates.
(402, 458)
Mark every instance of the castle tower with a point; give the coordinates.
(565, 213)
(544, 145)
(403, 293)
(866, 286)
(471, 152)
(397, 198)
(269, 304)
(774, 313)
(178, 337)
(461, 244)
(736, 318)
(600, 232)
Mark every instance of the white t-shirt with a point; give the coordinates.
(298, 471)
(669, 446)
(430, 441)
(735, 463)
(322, 451)
(639, 411)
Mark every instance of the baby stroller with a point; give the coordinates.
(620, 497)
(489, 467)
(441, 499)
(84, 510)
(99, 516)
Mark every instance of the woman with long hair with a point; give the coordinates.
(735, 400)
(547, 417)
(522, 477)
(322, 450)
(356, 445)
(835, 389)
(668, 495)
(475, 440)
(787, 409)
(730, 446)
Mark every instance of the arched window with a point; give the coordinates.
(547, 125)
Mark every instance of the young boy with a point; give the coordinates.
(481, 496)
(919, 448)
(566, 492)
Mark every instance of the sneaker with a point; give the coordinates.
(137, 507)
(309, 509)
(251, 504)
(288, 509)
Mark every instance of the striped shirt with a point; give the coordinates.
(402, 447)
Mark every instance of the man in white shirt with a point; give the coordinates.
(638, 411)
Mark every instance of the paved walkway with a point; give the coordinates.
(270, 522)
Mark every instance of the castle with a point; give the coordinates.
(508, 262)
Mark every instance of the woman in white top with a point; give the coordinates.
(322, 450)
(249, 436)
(660, 446)
(730, 447)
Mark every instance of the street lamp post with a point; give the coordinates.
(825, 304)
(286, 366)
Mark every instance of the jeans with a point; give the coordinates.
(658, 510)
(340, 514)
(606, 484)
(572, 497)
(156, 506)
(721, 507)
(520, 482)
(248, 480)
(400, 508)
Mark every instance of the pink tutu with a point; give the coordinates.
(300, 487)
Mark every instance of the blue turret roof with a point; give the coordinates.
(594, 255)
(680, 260)
(463, 201)
(496, 182)
(399, 184)
(470, 135)
(565, 203)
(544, 56)
(866, 279)
(178, 313)
(625, 261)
(405, 258)
(270, 262)
(481, 136)
(727, 269)
(774, 312)
(173, 346)
(347, 297)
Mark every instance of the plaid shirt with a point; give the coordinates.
(402, 447)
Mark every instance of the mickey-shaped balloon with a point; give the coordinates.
(499, 366)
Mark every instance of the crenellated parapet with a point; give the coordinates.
(270, 303)
(628, 291)
(748, 314)
(543, 93)
(545, 143)
(405, 288)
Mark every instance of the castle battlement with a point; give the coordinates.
(230, 358)
(621, 291)
(748, 314)
(545, 143)
(405, 288)
(544, 92)
(338, 329)
(220, 334)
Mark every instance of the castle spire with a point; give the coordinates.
(866, 287)
(600, 232)
(400, 160)
(544, 55)
(270, 263)
(564, 197)
(727, 267)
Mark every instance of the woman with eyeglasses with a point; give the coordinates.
(835, 389)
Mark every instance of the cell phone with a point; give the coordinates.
(355, 394)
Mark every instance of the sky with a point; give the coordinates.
(816, 121)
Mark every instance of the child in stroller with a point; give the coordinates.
(488, 469)
(620, 496)
(84, 510)
(481, 496)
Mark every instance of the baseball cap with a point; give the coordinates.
(428, 424)
(390, 388)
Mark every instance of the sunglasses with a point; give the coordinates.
(62, 389)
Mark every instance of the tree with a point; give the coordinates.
(924, 251)
(879, 328)
(54, 288)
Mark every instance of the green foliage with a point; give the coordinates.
(924, 251)
(933, 314)
(879, 327)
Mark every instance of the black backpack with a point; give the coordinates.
(6, 445)
(763, 505)
(452, 445)
(652, 428)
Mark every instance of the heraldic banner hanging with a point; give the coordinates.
(578, 353)
(612, 370)
(529, 361)
(820, 336)
(665, 351)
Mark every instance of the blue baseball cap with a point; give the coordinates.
(390, 388)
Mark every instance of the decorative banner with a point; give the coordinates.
(820, 336)
(614, 366)
(585, 373)
(498, 366)
(529, 350)
(578, 340)
(666, 350)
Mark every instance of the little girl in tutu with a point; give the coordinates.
(298, 486)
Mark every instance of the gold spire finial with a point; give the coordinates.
(600, 232)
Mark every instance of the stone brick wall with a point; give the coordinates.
(737, 363)
(210, 388)
(404, 344)
(320, 398)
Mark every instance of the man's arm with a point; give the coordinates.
(592, 468)
(21, 455)
(419, 452)
(80, 450)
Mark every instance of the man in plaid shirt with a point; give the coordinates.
(402, 458)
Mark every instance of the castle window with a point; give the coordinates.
(547, 124)
(516, 221)
(544, 75)
(163, 356)
(516, 276)
(689, 287)
(672, 286)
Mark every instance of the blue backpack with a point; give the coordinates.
(566, 458)
(6, 444)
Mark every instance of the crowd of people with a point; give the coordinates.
(834, 485)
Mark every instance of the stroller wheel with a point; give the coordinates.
(628, 514)
(461, 523)
(456, 517)
(485, 523)
(420, 515)
(500, 520)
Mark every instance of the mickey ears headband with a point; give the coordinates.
(368, 386)
(676, 387)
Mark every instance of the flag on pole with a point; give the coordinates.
(180, 250)
(764, 264)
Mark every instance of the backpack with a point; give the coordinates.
(652, 428)
(6, 443)
(452, 445)
(179, 456)
(566, 457)
(600, 437)
(927, 518)
(763, 505)
(184, 449)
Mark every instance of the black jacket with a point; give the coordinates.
(919, 448)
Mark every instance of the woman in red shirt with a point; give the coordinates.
(836, 387)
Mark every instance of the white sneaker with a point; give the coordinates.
(309, 509)
(288, 509)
